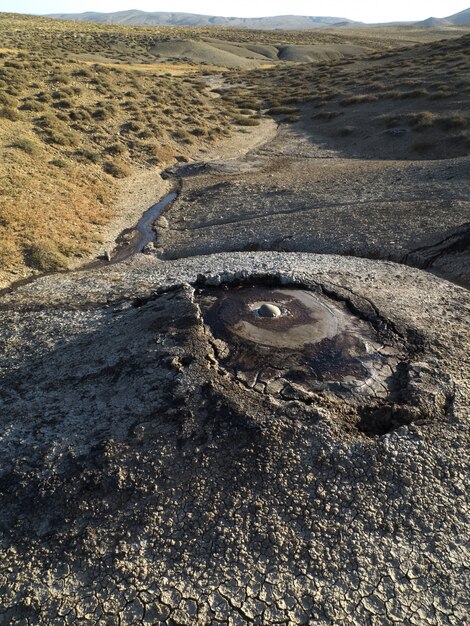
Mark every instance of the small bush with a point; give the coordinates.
(65, 103)
(422, 120)
(291, 119)
(115, 149)
(44, 257)
(117, 168)
(59, 163)
(281, 110)
(32, 105)
(26, 145)
(182, 135)
(89, 156)
(392, 121)
(6, 100)
(415, 93)
(9, 113)
(442, 93)
(246, 121)
(450, 122)
(359, 99)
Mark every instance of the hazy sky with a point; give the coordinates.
(366, 11)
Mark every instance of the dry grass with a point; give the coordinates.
(70, 128)
(422, 88)
(82, 105)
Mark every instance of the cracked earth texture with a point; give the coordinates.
(151, 484)
(295, 193)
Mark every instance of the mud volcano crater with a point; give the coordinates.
(295, 344)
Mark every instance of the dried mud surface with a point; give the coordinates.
(299, 192)
(146, 478)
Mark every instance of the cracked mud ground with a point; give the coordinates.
(299, 194)
(168, 458)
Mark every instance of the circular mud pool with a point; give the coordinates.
(313, 343)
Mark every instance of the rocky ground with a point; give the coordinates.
(164, 462)
(297, 193)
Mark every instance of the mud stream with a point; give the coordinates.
(133, 240)
(129, 242)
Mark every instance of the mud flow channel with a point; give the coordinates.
(135, 239)
(272, 337)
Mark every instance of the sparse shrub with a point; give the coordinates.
(145, 134)
(83, 73)
(65, 103)
(29, 104)
(132, 126)
(43, 96)
(9, 113)
(14, 64)
(45, 257)
(100, 114)
(359, 99)
(449, 122)
(422, 120)
(182, 135)
(117, 168)
(199, 131)
(61, 78)
(392, 120)
(415, 93)
(80, 115)
(246, 121)
(28, 146)
(89, 156)
(115, 149)
(282, 110)
(62, 137)
(346, 131)
(6, 100)
(60, 163)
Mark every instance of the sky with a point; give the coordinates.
(365, 11)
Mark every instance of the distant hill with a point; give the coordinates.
(458, 19)
(142, 18)
(434, 22)
(279, 22)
